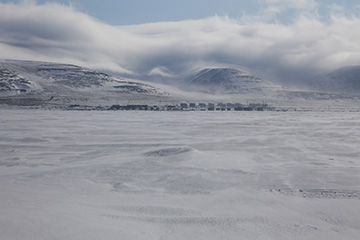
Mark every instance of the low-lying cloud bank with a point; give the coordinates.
(290, 52)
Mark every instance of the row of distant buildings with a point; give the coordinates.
(223, 106)
(187, 107)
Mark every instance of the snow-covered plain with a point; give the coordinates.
(179, 175)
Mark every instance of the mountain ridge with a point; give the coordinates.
(31, 83)
(344, 80)
(229, 81)
(66, 83)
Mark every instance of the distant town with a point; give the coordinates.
(180, 107)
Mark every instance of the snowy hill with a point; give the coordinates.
(65, 83)
(230, 81)
(28, 83)
(344, 80)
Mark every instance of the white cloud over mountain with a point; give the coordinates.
(54, 32)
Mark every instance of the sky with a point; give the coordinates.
(283, 40)
(129, 12)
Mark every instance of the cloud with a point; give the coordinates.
(291, 51)
(161, 71)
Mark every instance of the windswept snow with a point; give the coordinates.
(179, 175)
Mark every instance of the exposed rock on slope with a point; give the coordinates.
(64, 83)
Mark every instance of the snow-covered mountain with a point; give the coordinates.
(229, 81)
(29, 83)
(344, 80)
(65, 83)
